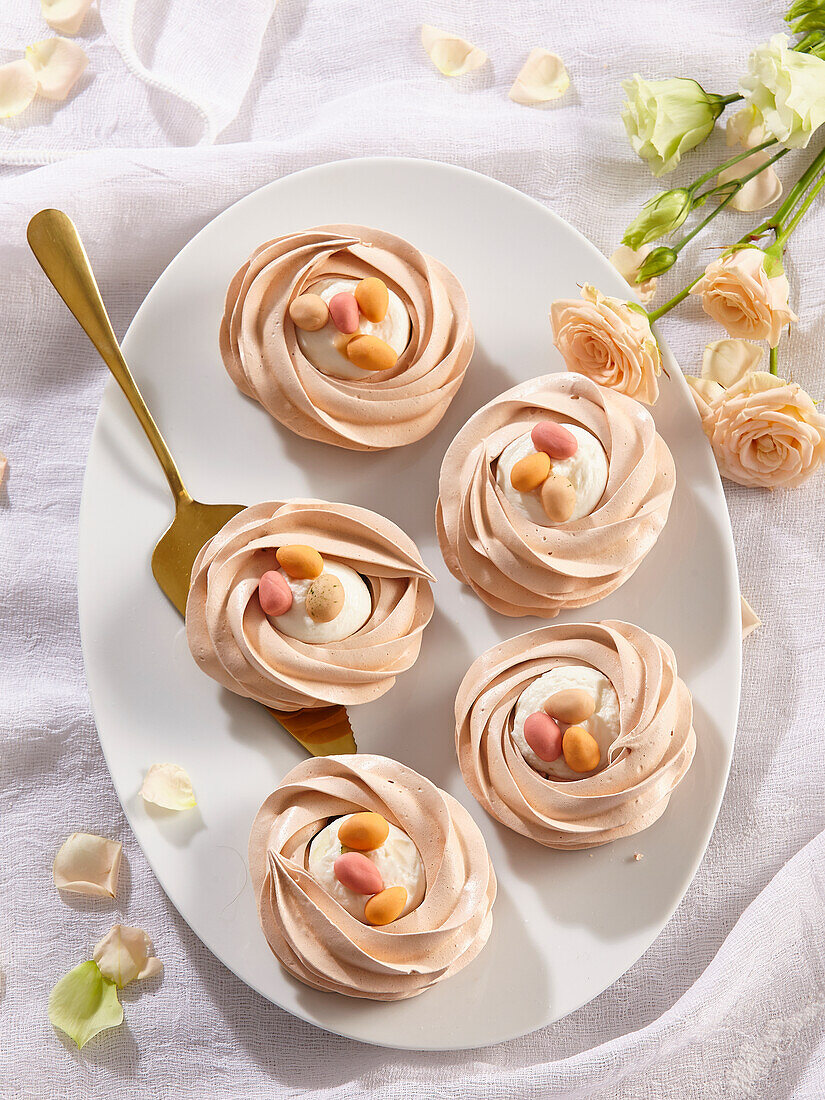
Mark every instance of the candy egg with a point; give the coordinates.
(529, 472)
(358, 873)
(373, 299)
(309, 312)
(554, 440)
(558, 498)
(300, 562)
(343, 309)
(365, 831)
(543, 736)
(387, 906)
(274, 594)
(371, 353)
(573, 705)
(324, 598)
(581, 749)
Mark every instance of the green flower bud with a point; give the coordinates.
(656, 262)
(658, 217)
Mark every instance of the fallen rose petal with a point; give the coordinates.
(58, 64)
(705, 389)
(745, 128)
(542, 77)
(4, 465)
(18, 87)
(627, 262)
(452, 56)
(84, 1003)
(125, 954)
(726, 361)
(88, 864)
(762, 190)
(750, 620)
(168, 786)
(65, 16)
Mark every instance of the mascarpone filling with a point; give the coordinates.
(640, 767)
(262, 350)
(519, 565)
(236, 644)
(314, 935)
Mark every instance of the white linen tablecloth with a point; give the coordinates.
(188, 105)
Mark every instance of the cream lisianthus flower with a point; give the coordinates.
(737, 291)
(666, 118)
(609, 341)
(787, 89)
(764, 431)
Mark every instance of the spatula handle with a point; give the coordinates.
(56, 244)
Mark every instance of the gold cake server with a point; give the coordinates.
(56, 244)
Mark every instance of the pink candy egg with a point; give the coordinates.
(343, 309)
(274, 594)
(358, 873)
(543, 736)
(554, 440)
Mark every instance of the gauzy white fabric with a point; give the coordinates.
(728, 1002)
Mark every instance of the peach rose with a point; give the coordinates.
(608, 341)
(737, 292)
(764, 431)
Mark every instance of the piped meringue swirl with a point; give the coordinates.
(235, 643)
(389, 409)
(518, 567)
(647, 760)
(314, 937)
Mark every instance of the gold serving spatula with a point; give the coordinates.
(55, 242)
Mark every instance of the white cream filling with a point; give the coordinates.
(397, 859)
(321, 347)
(587, 470)
(603, 724)
(297, 624)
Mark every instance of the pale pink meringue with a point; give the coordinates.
(314, 937)
(235, 643)
(387, 409)
(518, 567)
(645, 763)
(764, 431)
(737, 292)
(609, 341)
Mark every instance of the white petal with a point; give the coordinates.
(88, 864)
(542, 77)
(745, 128)
(750, 620)
(57, 64)
(65, 15)
(627, 262)
(18, 87)
(761, 191)
(168, 786)
(452, 56)
(726, 361)
(125, 954)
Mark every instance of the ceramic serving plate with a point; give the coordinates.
(567, 924)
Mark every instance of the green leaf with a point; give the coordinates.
(84, 1003)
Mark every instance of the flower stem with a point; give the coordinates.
(794, 195)
(726, 100)
(735, 187)
(729, 164)
(773, 359)
(799, 213)
(655, 314)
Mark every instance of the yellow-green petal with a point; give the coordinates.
(84, 1003)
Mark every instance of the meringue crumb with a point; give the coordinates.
(637, 856)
